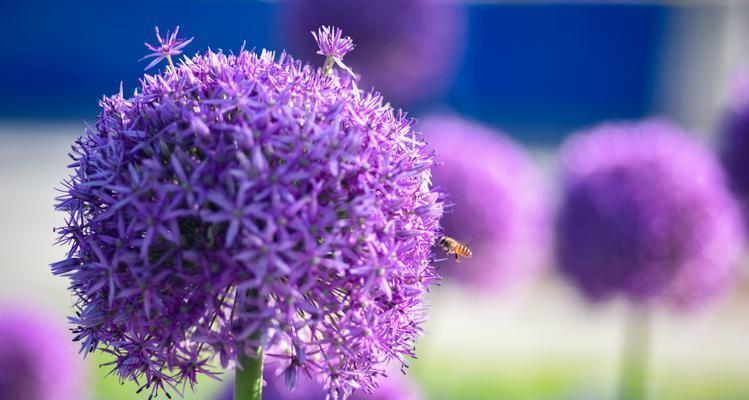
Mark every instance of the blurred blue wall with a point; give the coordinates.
(58, 58)
(536, 71)
(545, 70)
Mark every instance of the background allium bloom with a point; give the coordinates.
(501, 208)
(394, 387)
(408, 50)
(734, 139)
(245, 200)
(37, 359)
(646, 213)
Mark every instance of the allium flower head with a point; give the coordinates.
(37, 358)
(172, 46)
(646, 213)
(248, 200)
(501, 207)
(734, 139)
(408, 49)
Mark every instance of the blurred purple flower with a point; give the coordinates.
(501, 203)
(37, 359)
(172, 46)
(247, 200)
(646, 213)
(394, 387)
(734, 139)
(408, 50)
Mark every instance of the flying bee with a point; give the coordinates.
(452, 246)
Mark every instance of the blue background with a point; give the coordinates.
(539, 72)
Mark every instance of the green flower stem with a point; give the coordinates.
(248, 384)
(634, 373)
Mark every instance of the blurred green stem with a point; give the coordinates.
(248, 384)
(633, 383)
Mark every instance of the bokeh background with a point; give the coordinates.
(536, 72)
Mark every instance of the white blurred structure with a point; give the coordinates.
(707, 41)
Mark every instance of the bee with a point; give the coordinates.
(452, 246)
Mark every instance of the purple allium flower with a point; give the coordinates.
(393, 387)
(172, 46)
(37, 359)
(734, 138)
(501, 205)
(333, 45)
(407, 49)
(331, 42)
(249, 200)
(646, 213)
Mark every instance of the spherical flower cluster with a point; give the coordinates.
(501, 207)
(408, 49)
(646, 213)
(734, 139)
(241, 201)
(37, 358)
(394, 387)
